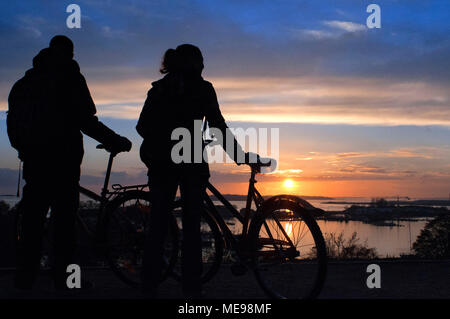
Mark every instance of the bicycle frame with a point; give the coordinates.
(105, 195)
(252, 196)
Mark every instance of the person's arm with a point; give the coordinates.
(90, 124)
(215, 119)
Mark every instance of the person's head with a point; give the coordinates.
(62, 47)
(186, 58)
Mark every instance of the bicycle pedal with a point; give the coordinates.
(238, 269)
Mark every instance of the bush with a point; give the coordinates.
(434, 240)
(340, 248)
(4, 207)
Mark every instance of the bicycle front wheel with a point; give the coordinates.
(288, 250)
(124, 226)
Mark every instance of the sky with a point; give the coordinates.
(361, 112)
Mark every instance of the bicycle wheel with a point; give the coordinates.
(212, 246)
(287, 249)
(124, 226)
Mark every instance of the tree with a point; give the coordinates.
(434, 239)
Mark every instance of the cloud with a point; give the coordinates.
(408, 153)
(318, 100)
(292, 172)
(419, 152)
(336, 30)
(346, 25)
(351, 154)
(329, 100)
(120, 50)
(32, 24)
(360, 168)
(318, 34)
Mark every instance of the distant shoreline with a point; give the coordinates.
(235, 197)
(419, 202)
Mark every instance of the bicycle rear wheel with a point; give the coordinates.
(288, 250)
(124, 225)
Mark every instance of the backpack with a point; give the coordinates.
(20, 115)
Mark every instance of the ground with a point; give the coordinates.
(345, 280)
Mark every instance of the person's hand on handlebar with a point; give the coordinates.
(121, 144)
(260, 164)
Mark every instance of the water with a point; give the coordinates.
(321, 203)
(388, 241)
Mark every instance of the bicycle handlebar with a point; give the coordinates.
(257, 166)
(267, 162)
(264, 165)
(103, 147)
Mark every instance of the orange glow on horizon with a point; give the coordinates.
(332, 188)
(289, 184)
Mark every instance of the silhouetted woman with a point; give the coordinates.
(175, 101)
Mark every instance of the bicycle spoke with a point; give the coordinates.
(294, 269)
(126, 238)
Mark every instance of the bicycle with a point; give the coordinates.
(107, 226)
(267, 243)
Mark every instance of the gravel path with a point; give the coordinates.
(399, 280)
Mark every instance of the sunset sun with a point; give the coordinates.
(288, 184)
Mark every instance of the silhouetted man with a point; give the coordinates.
(48, 109)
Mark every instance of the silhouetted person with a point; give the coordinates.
(174, 101)
(48, 109)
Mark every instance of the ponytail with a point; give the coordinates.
(169, 62)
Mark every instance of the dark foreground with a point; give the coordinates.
(345, 280)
